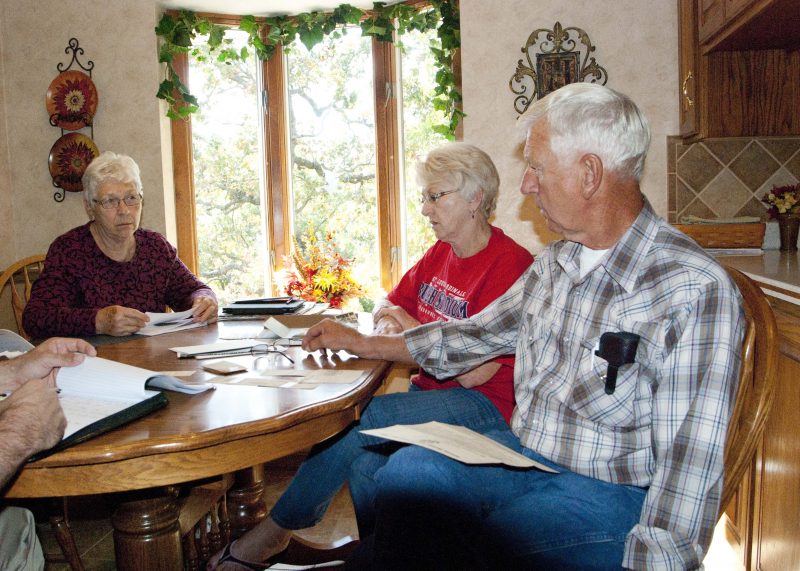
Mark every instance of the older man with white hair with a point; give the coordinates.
(627, 339)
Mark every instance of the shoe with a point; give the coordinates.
(228, 557)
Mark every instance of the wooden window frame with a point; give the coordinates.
(275, 162)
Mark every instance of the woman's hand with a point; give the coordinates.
(118, 320)
(388, 318)
(204, 309)
(478, 375)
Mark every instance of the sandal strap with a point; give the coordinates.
(228, 557)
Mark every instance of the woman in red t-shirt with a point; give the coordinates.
(471, 264)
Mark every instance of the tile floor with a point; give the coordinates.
(90, 518)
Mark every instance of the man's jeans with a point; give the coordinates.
(354, 456)
(437, 513)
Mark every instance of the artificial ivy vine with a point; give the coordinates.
(177, 33)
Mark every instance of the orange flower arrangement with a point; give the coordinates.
(322, 274)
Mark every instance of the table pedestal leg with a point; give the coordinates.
(146, 532)
(246, 505)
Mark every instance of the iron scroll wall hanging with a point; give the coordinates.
(554, 58)
(71, 102)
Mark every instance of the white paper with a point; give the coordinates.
(457, 442)
(292, 378)
(97, 377)
(161, 323)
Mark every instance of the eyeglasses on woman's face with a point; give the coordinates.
(113, 202)
(433, 197)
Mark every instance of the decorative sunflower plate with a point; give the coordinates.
(71, 100)
(69, 157)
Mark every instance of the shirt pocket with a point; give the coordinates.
(629, 404)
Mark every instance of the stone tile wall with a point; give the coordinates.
(723, 178)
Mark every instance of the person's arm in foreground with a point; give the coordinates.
(31, 420)
(329, 334)
(43, 362)
(702, 369)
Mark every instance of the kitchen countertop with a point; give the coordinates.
(776, 272)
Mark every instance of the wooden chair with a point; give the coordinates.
(20, 276)
(757, 382)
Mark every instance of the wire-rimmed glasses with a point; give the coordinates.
(432, 197)
(112, 202)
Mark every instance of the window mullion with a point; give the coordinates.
(183, 177)
(388, 167)
(277, 158)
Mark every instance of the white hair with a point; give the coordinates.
(109, 166)
(591, 118)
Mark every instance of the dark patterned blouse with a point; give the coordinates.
(79, 279)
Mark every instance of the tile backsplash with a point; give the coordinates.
(724, 178)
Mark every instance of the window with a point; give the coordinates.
(321, 141)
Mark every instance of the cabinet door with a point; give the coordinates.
(689, 68)
(710, 18)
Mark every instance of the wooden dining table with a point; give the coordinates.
(229, 429)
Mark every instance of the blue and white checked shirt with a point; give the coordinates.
(664, 427)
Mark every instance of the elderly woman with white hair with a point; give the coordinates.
(471, 264)
(101, 277)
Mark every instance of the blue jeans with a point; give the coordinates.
(356, 457)
(436, 513)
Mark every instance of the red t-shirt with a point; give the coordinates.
(442, 286)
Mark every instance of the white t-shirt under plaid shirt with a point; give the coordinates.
(664, 426)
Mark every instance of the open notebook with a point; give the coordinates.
(99, 395)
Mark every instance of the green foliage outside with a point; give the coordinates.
(179, 34)
(332, 145)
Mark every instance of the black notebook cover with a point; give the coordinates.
(263, 308)
(138, 410)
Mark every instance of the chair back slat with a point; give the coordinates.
(20, 277)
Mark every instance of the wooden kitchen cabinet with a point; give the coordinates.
(776, 489)
(739, 68)
(690, 117)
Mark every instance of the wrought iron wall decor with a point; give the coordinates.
(554, 58)
(71, 102)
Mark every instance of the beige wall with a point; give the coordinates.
(637, 43)
(638, 52)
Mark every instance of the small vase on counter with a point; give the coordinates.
(788, 227)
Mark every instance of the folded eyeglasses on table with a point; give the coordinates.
(259, 350)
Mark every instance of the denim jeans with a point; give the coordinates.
(355, 457)
(436, 513)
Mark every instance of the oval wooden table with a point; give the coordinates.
(229, 429)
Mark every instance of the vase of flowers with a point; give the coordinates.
(784, 206)
(319, 272)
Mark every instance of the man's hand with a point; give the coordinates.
(478, 375)
(31, 420)
(204, 309)
(330, 334)
(118, 320)
(392, 319)
(43, 362)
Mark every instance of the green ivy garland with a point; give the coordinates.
(177, 32)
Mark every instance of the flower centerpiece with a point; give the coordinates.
(784, 204)
(783, 200)
(320, 273)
